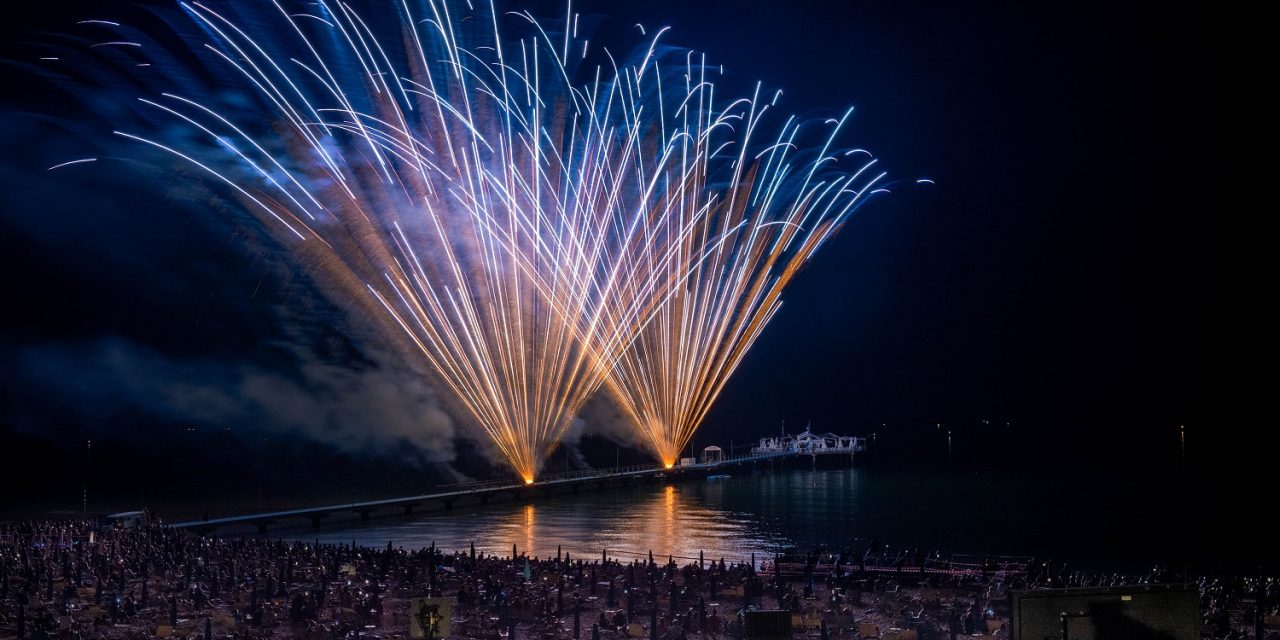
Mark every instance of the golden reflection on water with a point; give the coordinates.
(666, 522)
(530, 522)
(729, 519)
(669, 511)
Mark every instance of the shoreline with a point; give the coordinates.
(105, 582)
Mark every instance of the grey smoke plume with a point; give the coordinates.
(377, 407)
(160, 291)
(602, 417)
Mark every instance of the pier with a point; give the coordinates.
(712, 462)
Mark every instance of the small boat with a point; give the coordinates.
(719, 476)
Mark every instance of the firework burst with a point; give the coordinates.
(530, 218)
(780, 207)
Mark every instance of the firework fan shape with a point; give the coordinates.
(780, 210)
(528, 217)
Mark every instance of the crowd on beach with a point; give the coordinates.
(80, 579)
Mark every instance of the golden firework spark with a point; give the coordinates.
(527, 217)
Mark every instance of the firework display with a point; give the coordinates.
(531, 216)
(668, 378)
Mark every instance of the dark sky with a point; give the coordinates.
(1058, 276)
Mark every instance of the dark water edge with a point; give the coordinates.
(1097, 521)
(1106, 519)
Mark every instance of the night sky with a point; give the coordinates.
(1058, 277)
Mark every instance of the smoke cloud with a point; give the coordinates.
(148, 301)
(377, 407)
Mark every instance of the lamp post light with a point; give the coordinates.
(1182, 441)
(948, 448)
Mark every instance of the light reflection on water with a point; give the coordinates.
(1074, 518)
(678, 519)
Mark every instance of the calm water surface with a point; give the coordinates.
(1089, 520)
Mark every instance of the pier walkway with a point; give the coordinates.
(573, 481)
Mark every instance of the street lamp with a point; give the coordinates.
(948, 448)
(1182, 441)
(84, 496)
